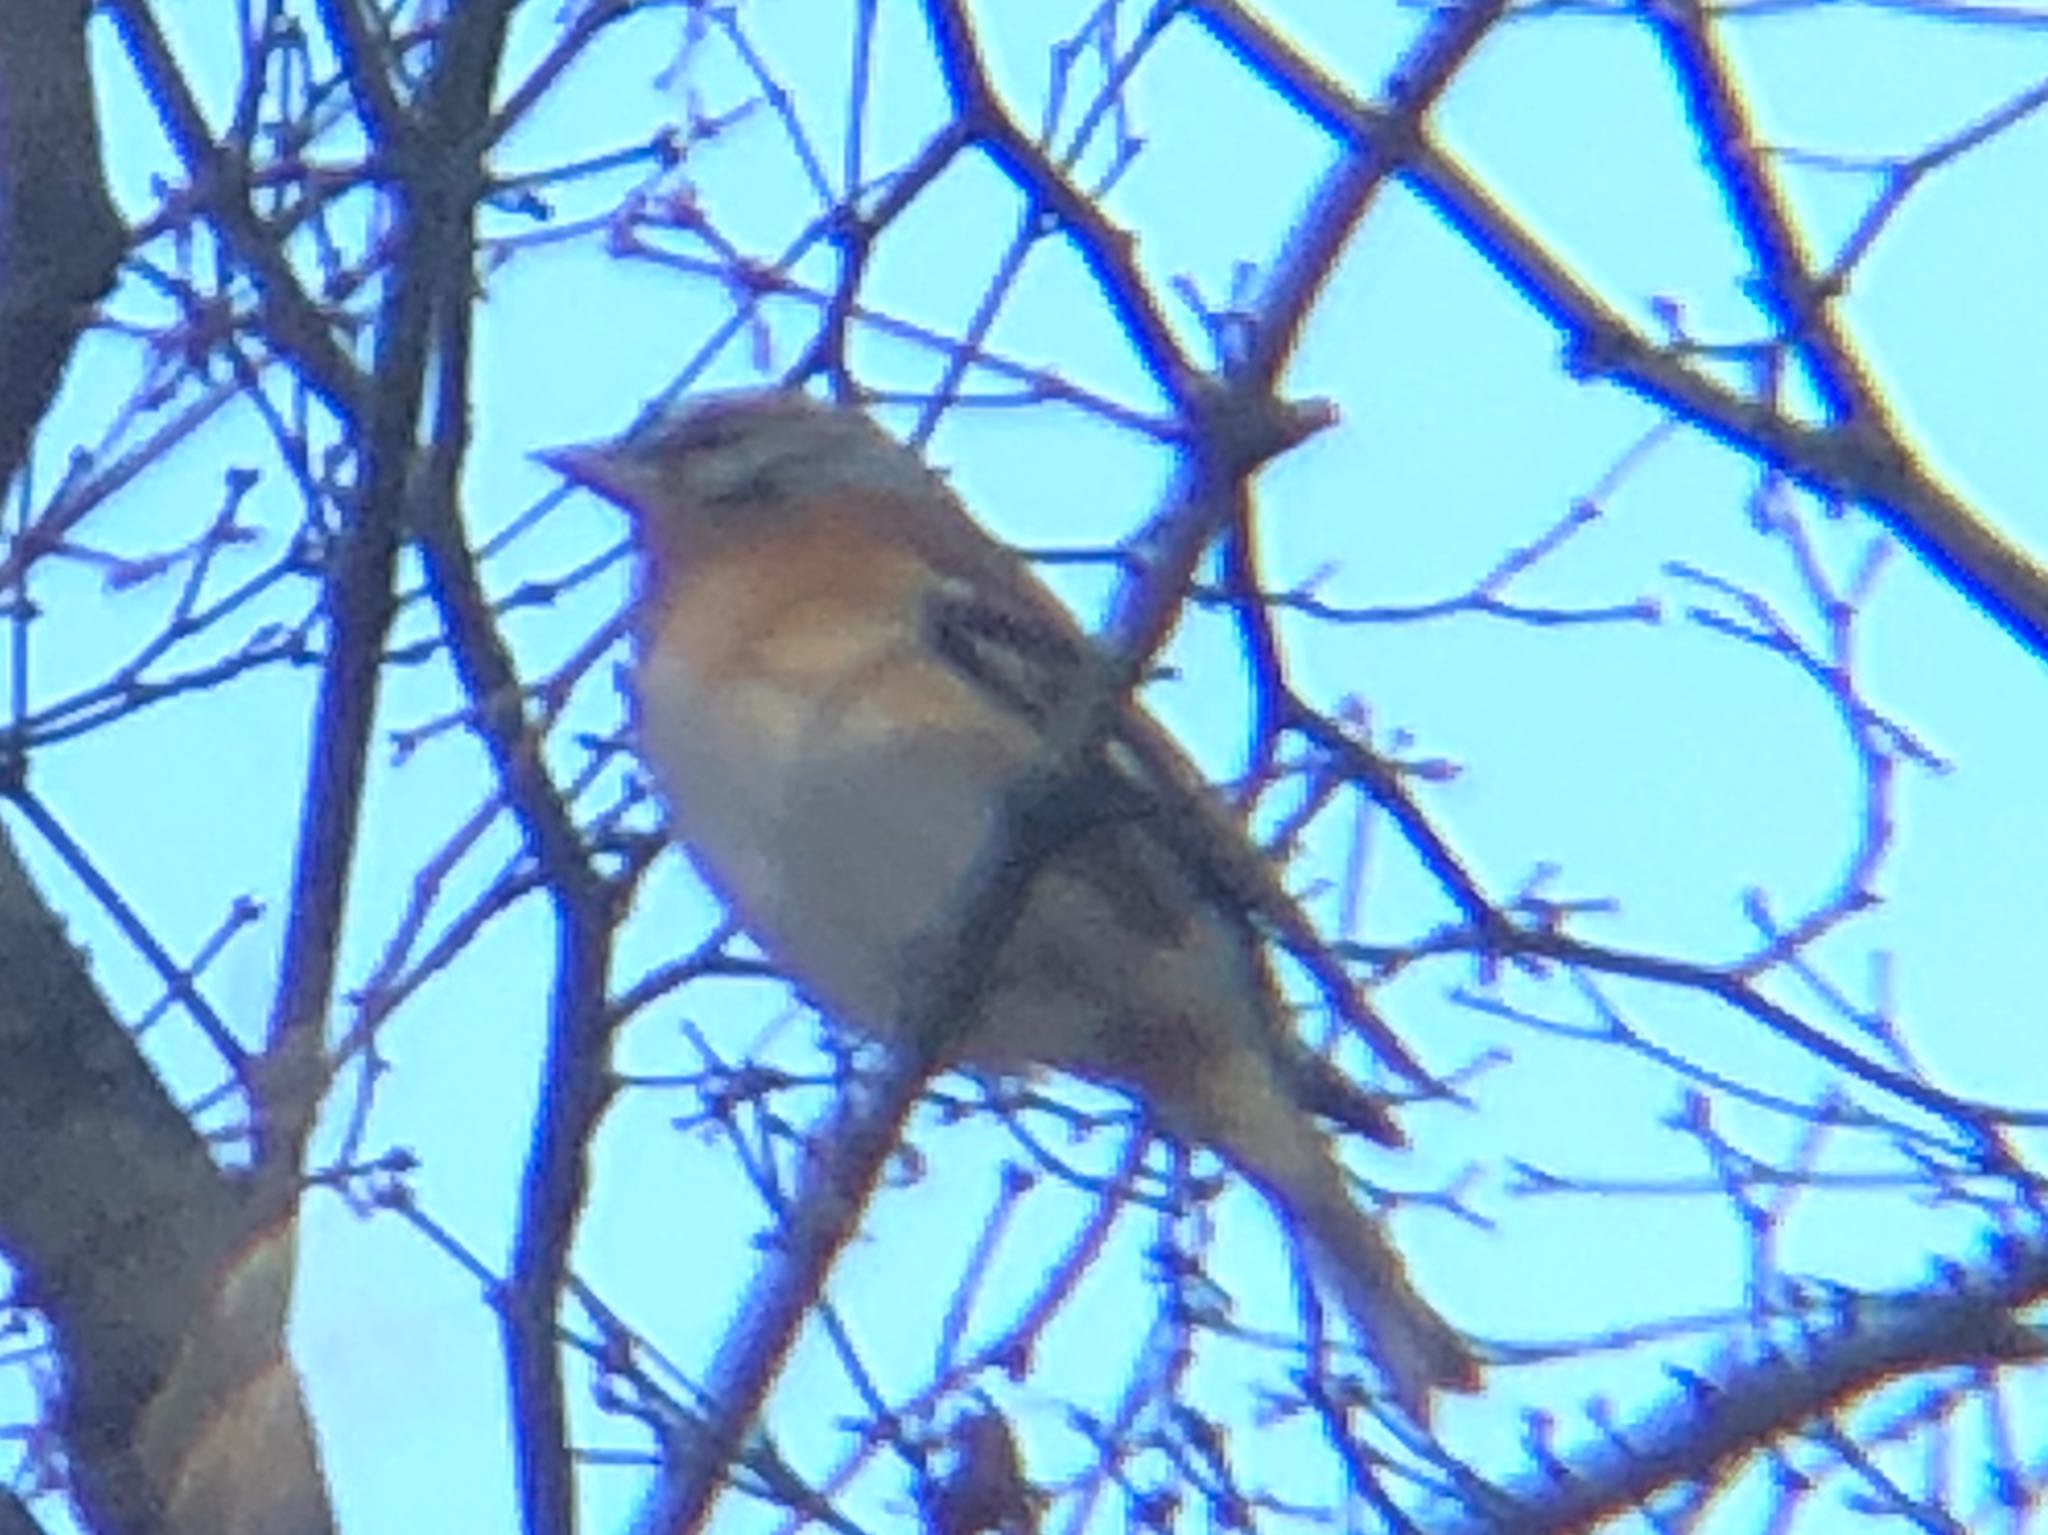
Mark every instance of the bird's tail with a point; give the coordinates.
(1247, 1104)
(1295, 1167)
(1418, 1351)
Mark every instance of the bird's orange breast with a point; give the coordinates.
(828, 771)
(824, 618)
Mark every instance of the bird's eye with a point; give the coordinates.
(710, 436)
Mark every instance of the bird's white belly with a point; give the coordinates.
(832, 832)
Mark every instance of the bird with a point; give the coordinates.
(837, 674)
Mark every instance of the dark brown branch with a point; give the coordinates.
(1709, 1426)
(1957, 541)
(1105, 249)
(60, 237)
(125, 1233)
(292, 321)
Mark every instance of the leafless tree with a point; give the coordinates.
(303, 313)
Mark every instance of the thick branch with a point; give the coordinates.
(127, 1236)
(1702, 1433)
(60, 238)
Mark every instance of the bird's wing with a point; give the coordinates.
(1161, 825)
(1028, 664)
(1022, 659)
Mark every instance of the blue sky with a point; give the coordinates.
(1665, 767)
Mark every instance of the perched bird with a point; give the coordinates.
(837, 674)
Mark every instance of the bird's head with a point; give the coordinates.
(722, 465)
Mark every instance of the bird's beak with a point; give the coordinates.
(596, 466)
